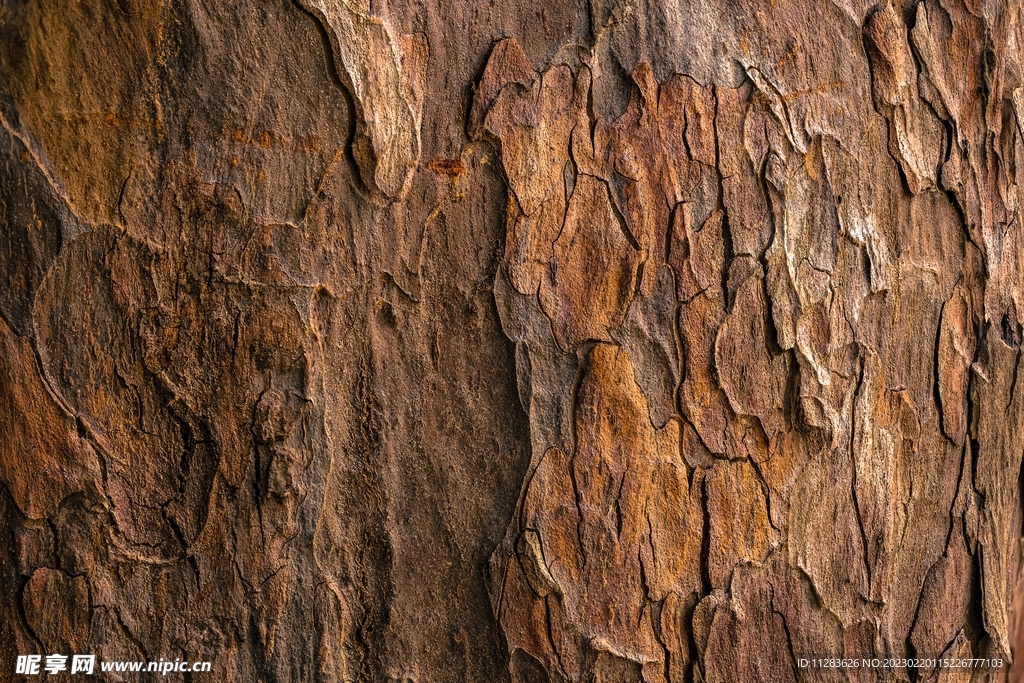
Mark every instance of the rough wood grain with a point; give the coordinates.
(612, 341)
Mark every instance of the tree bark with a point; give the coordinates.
(556, 341)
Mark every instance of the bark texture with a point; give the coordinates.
(561, 341)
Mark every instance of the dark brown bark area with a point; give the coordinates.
(595, 341)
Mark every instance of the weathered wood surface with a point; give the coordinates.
(554, 341)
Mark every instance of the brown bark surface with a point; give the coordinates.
(609, 340)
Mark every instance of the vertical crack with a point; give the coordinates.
(853, 466)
